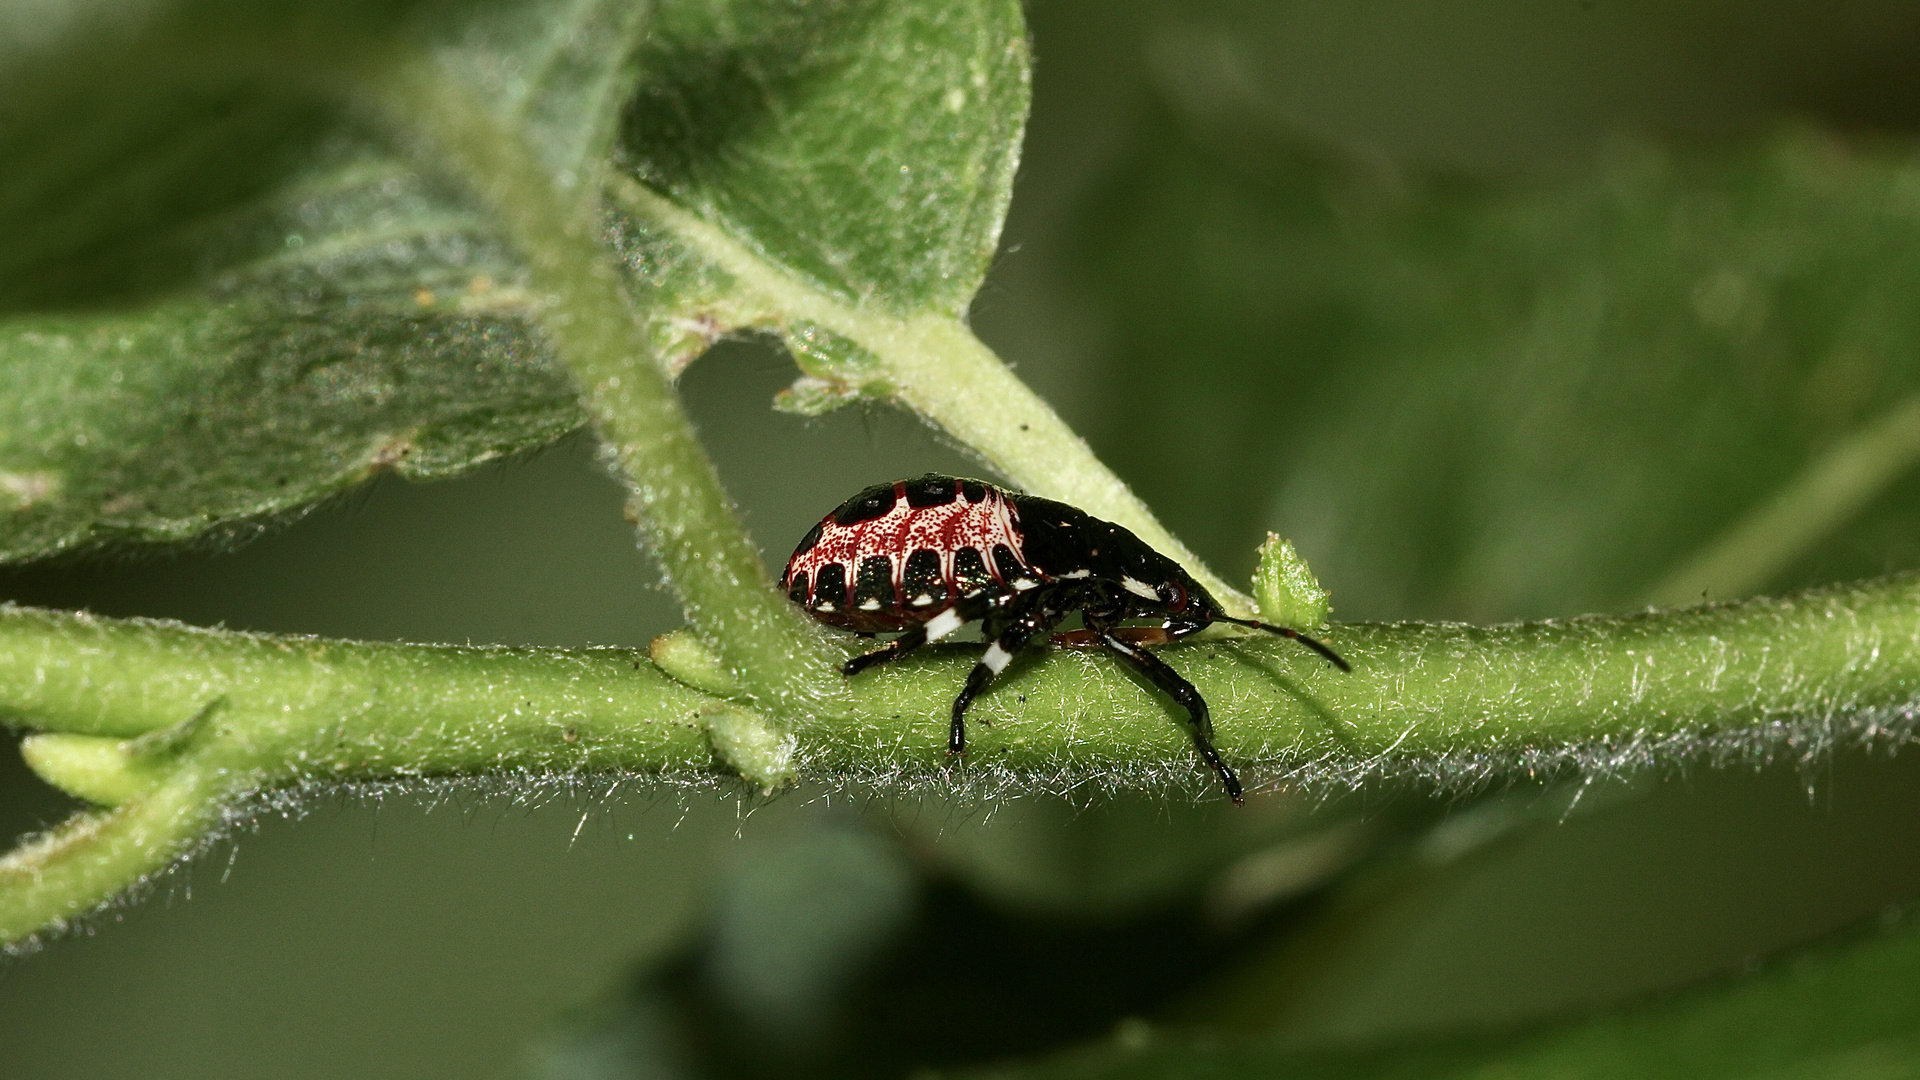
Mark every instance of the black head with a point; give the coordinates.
(1188, 607)
(1154, 586)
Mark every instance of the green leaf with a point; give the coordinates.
(193, 417)
(839, 178)
(865, 146)
(1480, 401)
(837, 174)
(1840, 1010)
(228, 296)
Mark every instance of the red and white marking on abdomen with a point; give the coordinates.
(900, 532)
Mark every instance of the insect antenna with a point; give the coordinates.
(1313, 643)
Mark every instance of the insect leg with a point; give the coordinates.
(1032, 620)
(907, 642)
(1200, 723)
(915, 637)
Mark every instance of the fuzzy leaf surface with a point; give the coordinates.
(230, 295)
(829, 175)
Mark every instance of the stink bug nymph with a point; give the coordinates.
(924, 557)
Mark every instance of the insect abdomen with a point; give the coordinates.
(899, 554)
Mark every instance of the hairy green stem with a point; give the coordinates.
(223, 716)
(303, 708)
(63, 875)
(932, 364)
(684, 515)
(1505, 698)
(309, 709)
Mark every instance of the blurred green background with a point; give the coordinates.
(1498, 311)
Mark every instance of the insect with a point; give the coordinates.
(926, 556)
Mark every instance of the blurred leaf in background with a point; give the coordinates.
(1843, 1010)
(1496, 313)
(231, 294)
(1478, 399)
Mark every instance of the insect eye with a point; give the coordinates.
(1173, 595)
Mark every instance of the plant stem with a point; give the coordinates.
(683, 514)
(1461, 702)
(302, 712)
(1456, 701)
(934, 365)
(307, 709)
(51, 880)
(1825, 660)
(301, 709)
